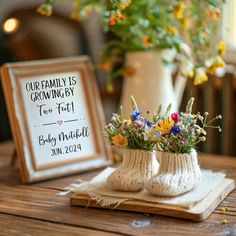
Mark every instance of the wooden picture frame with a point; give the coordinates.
(56, 117)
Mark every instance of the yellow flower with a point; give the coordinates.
(190, 74)
(165, 126)
(172, 31)
(217, 63)
(45, 9)
(75, 16)
(129, 121)
(152, 133)
(110, 87)
(187, 69)
(122, 6)
(179, 10)
(203, 138)
(200, 76)
(185, 22)
(120, 141)
(76, 4)
(222, 48)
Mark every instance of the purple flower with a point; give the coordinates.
(148, 123)
(136, 115)
(139, 123)
(175, 129)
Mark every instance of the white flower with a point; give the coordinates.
(150, 134)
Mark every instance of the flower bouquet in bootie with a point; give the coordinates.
(178, 136)
(139, 162)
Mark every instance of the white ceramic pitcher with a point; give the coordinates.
(152, 83)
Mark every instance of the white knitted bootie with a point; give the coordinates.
(178, 173)
(137, 167)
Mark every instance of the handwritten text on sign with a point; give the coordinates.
(58, 117)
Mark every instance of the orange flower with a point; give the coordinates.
(120, 141)
(112, 21)
(110, 87)
(214, 14)
(129, 71)
(122, 17)
(105, 66)
(147, 42)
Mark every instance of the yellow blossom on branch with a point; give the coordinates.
(172, 31)
(200, 76)
(217, 63)
(222, 48)
(123, 5)
(75, 16)
(185, 22)
(179, 10)
(119, 141)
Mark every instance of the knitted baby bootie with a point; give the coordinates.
(137, 167)
(178, 173)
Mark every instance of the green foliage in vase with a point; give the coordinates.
(190, 27)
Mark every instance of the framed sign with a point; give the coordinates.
(56, 117)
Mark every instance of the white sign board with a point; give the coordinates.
(56, 115)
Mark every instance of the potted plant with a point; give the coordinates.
(177, 138)
(139, 160)
(154, 37)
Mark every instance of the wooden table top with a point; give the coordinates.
(36, 209)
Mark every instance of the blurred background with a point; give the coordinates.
(26, 35)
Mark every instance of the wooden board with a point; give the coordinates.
(197, 213)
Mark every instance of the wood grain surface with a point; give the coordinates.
(197, 213)
(37, 209)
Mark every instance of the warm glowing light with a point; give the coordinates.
(10, 25)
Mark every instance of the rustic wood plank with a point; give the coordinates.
(197, 213)
(6, 152)
(11, 225)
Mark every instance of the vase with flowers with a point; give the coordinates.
(178, 135)
(139, 162)
(155, 38)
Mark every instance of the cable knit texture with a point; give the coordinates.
(178, 173)
(137, 167)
